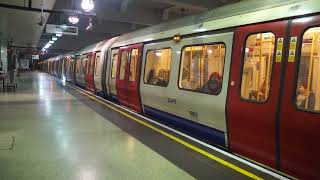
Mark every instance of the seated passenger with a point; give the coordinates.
(302, 98)
(185, 83)
(151, 76)
(213, 85)
(161, 80)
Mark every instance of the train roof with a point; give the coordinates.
(242, 13)
(96, 46)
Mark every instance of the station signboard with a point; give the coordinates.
(36, 57)
(61, 29)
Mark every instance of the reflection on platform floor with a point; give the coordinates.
(59, 137)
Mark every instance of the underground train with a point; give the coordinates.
(244, 77)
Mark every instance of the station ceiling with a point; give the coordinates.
(116, 17)
(113, 17)
(21, 27)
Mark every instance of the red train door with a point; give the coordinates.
(122, 76)
(90, 72)
(300, 121)
(254, 90)
(128, 78)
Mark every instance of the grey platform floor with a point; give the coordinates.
(61, 134)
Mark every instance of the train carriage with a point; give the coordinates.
(245, 77)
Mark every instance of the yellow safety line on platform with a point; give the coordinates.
(203, 152)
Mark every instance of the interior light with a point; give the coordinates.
(51, 42)
(87, 5)
(158, 54)
(58, 35)
(54, 38)
(73, 19)
(210, 51)
(47, 46)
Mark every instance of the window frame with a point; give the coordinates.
(130, 56)
(78, 59)
(297, 69)
(112, 65)
(96, 64)
(272, 68)
(145, 65)
(223, 67)
(127, 57)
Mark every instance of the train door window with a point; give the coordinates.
(78, 65)
(123, 65)
(257, 67)
(157, 70)
(133, 64)
(88, 63)
(201, 68)
(114, 65)
(84, 64)
(97, 63)
(308, 86)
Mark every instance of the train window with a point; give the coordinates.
(157, 70)
(84, 64)
(114, 65)
(78, 65)
(88, 63)
(257, 67)
(308, 86)
(123, 65)
(97, 63)
(201, 68)
(133, 64)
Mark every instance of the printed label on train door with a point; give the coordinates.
(292, 50)
(279, 50)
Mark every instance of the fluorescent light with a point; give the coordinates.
(73, 19)
(51, 42)
(47, 46)
(87, 5)
(58, 35)
(54, 38)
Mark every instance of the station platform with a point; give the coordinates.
(51, 130)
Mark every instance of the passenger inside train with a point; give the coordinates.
(158, 67)
(308, 86)
(202, 68)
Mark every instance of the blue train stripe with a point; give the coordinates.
(199, 131)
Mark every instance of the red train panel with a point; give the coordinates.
(252, 125)
(299, 129)
(128, 78)
(89, 76)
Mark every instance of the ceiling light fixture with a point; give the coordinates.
(54, 38)
(51, 42)
(47, 46)
(58, 35)
(90, 26)
(73, 19)
(87, 5)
